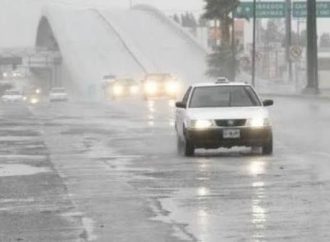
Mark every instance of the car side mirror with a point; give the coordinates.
(180, 105)
(268, 102)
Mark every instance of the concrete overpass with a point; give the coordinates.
(93, 42)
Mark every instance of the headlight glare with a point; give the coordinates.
(258, 122)
(34, 100)
(201, 124)
(150, 87)
(172, 87)
(118, 90)
(134, 89)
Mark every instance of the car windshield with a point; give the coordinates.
(224, 96)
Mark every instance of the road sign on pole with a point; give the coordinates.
(295, 53)
(300, 9)
(279, 9)
(263, 10)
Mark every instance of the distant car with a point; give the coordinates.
(58, 94)
(33, 96)
(160, 85)
(223, 114)
(121, 88)
(12, 96)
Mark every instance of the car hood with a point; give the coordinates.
(227, 113)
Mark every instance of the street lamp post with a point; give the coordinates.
(254, 44)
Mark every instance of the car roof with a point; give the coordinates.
(58, 89)
(212, 84)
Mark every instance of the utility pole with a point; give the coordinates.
(130, 3)
(254, 43)
(312, 55)
(289, 37)
(233, 46)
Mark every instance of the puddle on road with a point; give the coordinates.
(21, 170)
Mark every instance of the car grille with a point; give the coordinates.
(230, 122)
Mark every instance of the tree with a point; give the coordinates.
(220, 10)
(273, 32)
(223, 61)
(176, 18)
(220, 63)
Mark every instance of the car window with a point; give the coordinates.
(186, 96)
(224, 96)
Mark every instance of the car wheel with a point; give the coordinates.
(188, 148)
(267, 148)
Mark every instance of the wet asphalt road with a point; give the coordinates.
(110, 172)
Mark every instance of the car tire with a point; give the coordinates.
(188, 148)
(267, 148)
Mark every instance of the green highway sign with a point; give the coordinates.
(263, 10)
(299, 9)
(278, 10)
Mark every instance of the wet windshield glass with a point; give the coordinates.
(223, 96)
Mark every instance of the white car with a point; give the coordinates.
(12, 96)
(223, 114)
(58, 94)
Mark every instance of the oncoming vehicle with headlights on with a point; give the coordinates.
(121, 88)
(223, 114)
(160, 85)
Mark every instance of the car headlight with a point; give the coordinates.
(118, 90)
(34, 100)
(201, 124)
(172, 87)
(258, 122)
(134, 89)
(151, 87)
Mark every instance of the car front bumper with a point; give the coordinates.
(214, 138)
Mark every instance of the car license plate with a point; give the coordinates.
(231, 133)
